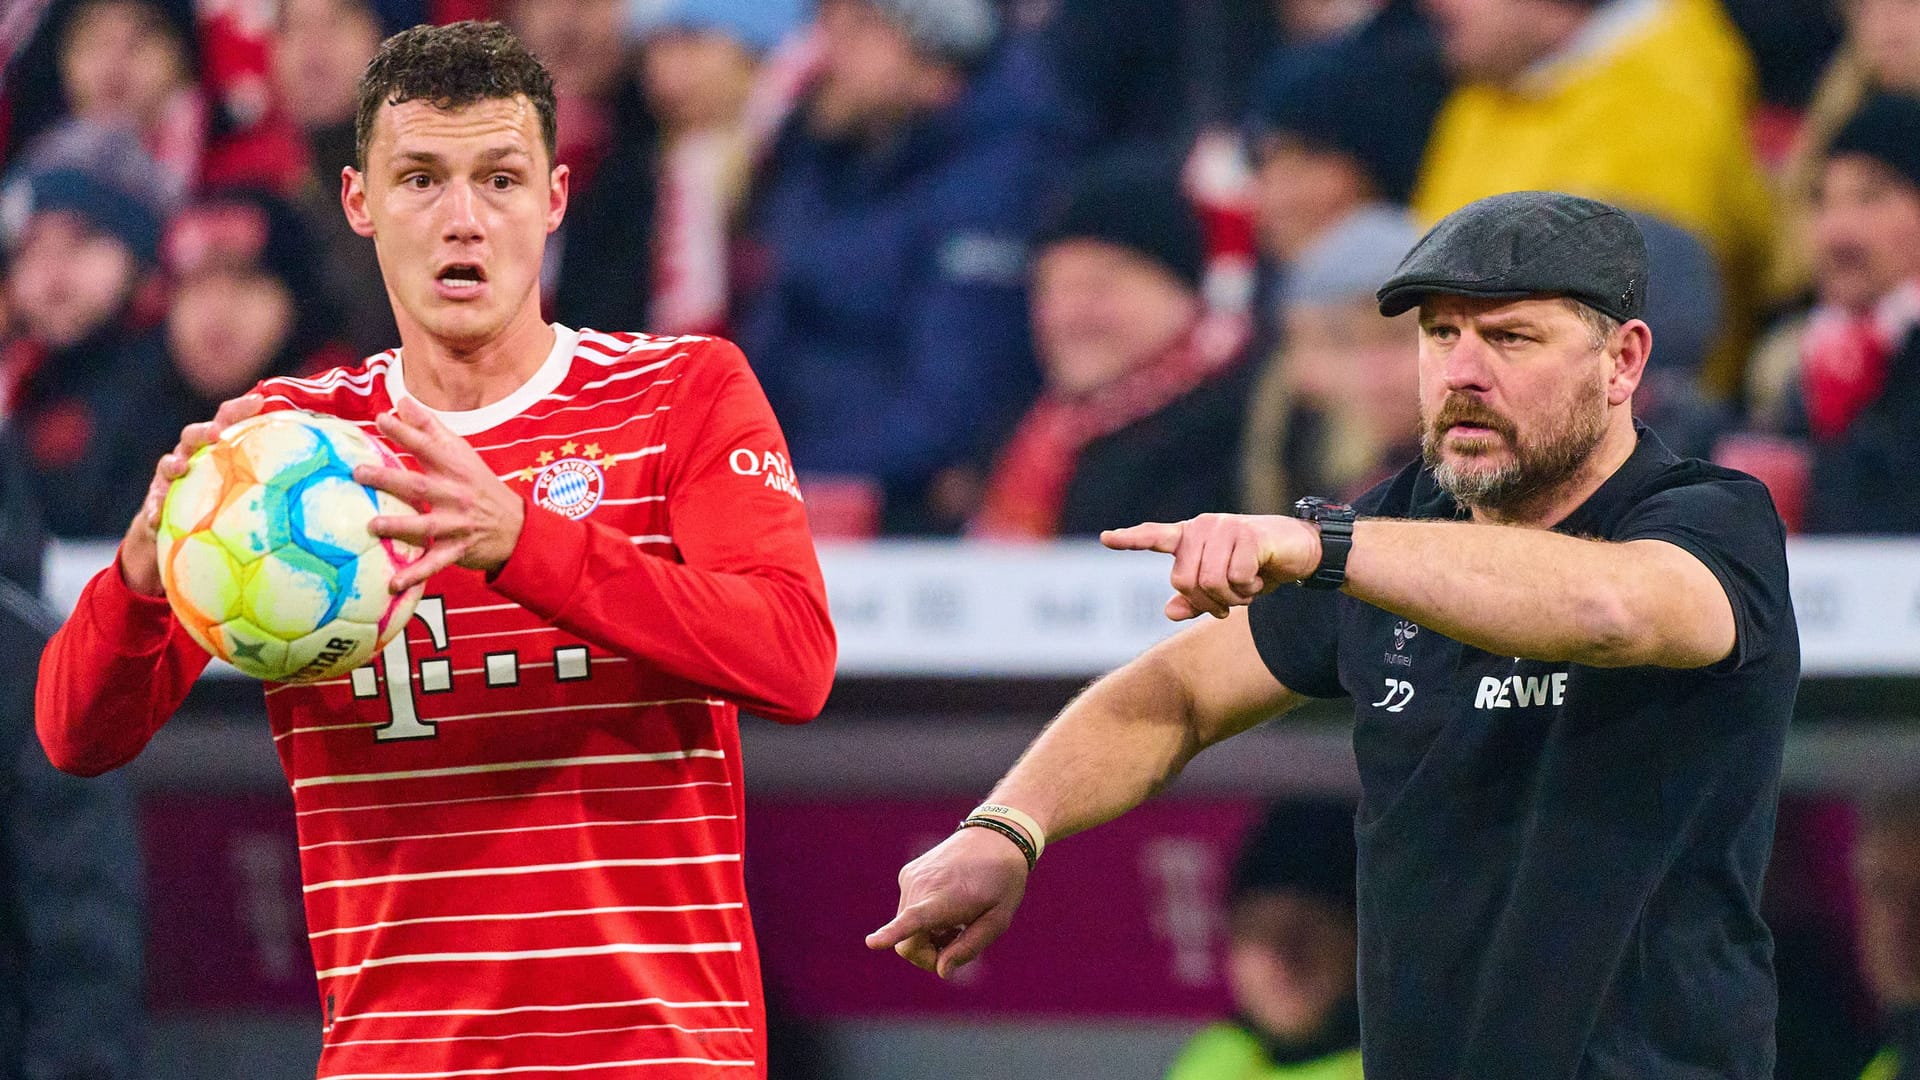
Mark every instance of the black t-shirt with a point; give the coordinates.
(1560, 865)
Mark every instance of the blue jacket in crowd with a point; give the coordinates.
(889, 326)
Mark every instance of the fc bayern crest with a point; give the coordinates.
(571, 487)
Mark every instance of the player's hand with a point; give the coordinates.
(140, 550)
(954, 901)
(1223, 561)
(468, 516)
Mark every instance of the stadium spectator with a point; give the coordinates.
(125, 64)
(717, 80)
(888, 315)
(1326, 113)
(1847, 375)
(1881, 54)
(596, 271)
(1332, 410)
(1330, 138)
(70, 894)
(1886, 864)
(1140, 405)
(318, 53)
(247, 304)
(1290, 955)
(1645, 104)
(79, 258)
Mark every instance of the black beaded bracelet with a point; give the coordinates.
(1025, 845)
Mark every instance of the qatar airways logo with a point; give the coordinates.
(771, 466)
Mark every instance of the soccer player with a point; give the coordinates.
(520, 830)
(1572, 657)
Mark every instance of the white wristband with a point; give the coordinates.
(1017, 817)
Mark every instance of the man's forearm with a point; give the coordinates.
(1107, 752)
(1542, 595)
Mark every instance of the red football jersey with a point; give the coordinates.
(520, 827)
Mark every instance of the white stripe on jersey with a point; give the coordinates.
(619, 376)
(650, 538)
(503, 712)
(521, 829)
(619, 948)
(560, 436)
(505, 766)
(517, 916)
(512, 796)
(514, 871)
(718, 1062)
(601, 404)
(549, 1035)
(652, 1002)
(631, 502)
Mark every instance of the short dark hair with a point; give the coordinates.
(453, 66)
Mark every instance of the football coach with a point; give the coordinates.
(1572, 657)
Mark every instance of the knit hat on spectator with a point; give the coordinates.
(243, 229)
(758, 25)
(1350, 260)
(960, 31)
(1885, 128)
(102, 206)
(1311, 95)
(1135, 201)
(1304, 847)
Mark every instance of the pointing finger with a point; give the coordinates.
(1148, 536)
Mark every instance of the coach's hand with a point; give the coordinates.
(954, 901)
(468, 516)
(140, 550)
(1223, 561)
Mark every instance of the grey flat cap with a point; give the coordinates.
(1527, 243)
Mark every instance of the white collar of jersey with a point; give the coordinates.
(474, 421)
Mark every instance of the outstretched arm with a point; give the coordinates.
(1119, 742)
(1511, 591)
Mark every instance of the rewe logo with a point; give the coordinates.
(1521, 691)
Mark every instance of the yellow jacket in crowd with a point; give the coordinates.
(1647, 108)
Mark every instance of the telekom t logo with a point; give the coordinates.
(434, 675)
(396, 663)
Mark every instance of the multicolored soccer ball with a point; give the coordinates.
(265, 554)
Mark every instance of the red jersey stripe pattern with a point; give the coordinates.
(520, 827)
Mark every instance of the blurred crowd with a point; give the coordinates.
(1006, 268)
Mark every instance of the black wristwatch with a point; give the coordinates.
(1336, 540)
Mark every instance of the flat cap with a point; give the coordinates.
(1527, 243)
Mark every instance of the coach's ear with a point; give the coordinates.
(353, 199)
(558, 182)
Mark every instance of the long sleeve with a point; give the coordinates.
(111, 676)
(744, 612)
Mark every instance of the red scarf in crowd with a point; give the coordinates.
(1028, 488)
(1844, 357)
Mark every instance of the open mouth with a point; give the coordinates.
(461, 276)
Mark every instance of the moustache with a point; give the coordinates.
(1465, 410)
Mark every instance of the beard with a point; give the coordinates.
(1540, 466)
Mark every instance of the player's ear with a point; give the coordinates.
(557, 185)
(353, 199)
